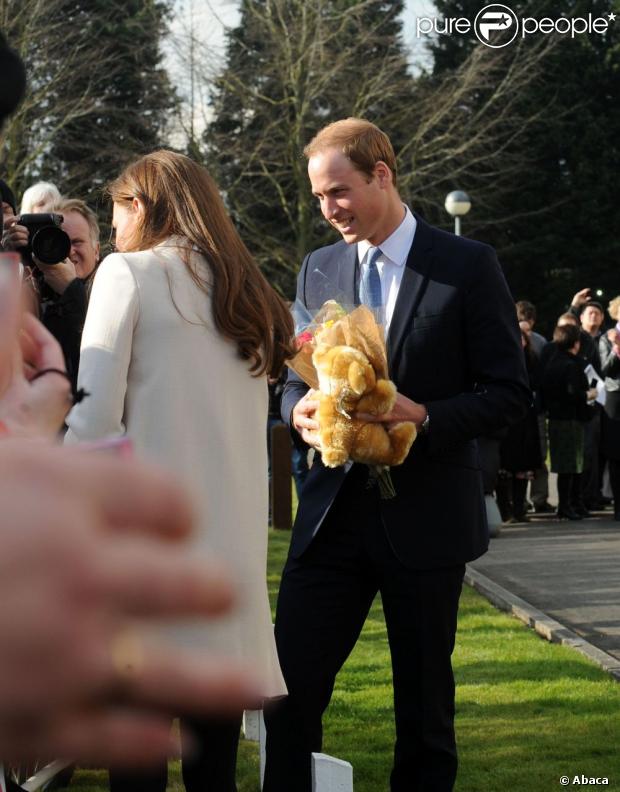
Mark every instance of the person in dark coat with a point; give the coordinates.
(589, 483)
(539, 487)
(520, 451)
(588, 348)
(565, 394)
(454, 354)
(591, 316)
(609, 348)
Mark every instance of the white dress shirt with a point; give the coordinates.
(391, 262)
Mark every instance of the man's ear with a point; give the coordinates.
(383, 174)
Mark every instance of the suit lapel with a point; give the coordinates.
(347, 274)
(411, 291)
(332, 278)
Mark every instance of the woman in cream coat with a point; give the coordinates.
(181, 331)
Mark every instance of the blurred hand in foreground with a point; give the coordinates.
(92, 553)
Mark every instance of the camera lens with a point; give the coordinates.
(50, 245)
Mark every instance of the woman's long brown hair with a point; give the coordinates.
(181, 199)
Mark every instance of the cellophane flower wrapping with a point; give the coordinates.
(335, 323)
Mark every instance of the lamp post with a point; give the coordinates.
(457, 204)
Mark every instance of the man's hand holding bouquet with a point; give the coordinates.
(342, 357)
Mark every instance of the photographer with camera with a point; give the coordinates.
(62, 251)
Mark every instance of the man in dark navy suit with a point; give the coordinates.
(455, 354)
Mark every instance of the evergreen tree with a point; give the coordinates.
(134, 98)
(97, 92)
(554, 228)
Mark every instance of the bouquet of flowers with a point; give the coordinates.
(342, 355)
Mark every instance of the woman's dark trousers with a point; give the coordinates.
(208, 762)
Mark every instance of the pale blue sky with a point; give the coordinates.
(210, 17)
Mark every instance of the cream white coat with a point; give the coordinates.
(157, 370)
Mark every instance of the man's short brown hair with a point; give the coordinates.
(526, 311)
(568, 318)
(360, 141)
(76, 205)
(565, 337)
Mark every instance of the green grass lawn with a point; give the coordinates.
(528, 711)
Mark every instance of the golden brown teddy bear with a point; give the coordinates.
(349, 383)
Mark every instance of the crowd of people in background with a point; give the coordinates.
(57, 293)
(574, 418)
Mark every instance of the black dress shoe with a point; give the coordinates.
(568, 514)
(521, 518)
(581, 510)
(544, 508)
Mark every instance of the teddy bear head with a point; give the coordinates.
(345, 374)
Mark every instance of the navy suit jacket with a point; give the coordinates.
(454, 345)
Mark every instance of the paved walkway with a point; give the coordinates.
(568, 570)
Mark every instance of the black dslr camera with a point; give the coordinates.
(47, 241)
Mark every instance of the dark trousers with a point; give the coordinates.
(576, 493)
(510, 492)
(565, 490)
(614, 479)
(324, 599)
(539, 489)
(591, 475)
(209, 760)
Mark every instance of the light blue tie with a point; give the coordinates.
(370, 284)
